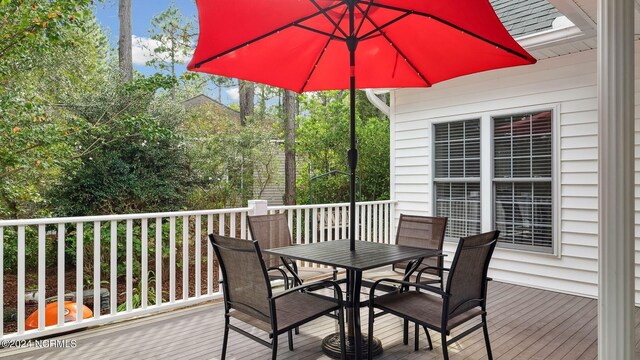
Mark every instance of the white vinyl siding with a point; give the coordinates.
(567, 85)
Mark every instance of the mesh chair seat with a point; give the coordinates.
(427, 308)
(291, 310)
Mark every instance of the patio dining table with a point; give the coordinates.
(367, 255)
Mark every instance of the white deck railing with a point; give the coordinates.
(147, 262)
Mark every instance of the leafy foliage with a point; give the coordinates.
(323, 142)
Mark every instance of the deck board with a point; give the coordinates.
(524, 323)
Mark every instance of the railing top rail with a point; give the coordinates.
(316, 206)
(84, 219)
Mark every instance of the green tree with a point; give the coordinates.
(132, 159)
(37, 131)
(322, 141)
(220, 151)
(173, 35)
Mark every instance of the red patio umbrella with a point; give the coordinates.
(308, 45)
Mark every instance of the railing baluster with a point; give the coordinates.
(185, 257)
(172, 259)
(41, 276)
(329, 225)
(385, 212)
(314, 225)
(209, 255)
(345, 219)
(61, 263)
(243, 225)
(198, 257)
(336, 223)
(376, 224)
(21, 279)
(298, 226)
(79, 270)
(357, 224)
(113, 271)
(158, 261)
(220, 232)
(392, 222)
(96, 270)
(232, 225)
(129, 271)
(322, 224)
(145, 262)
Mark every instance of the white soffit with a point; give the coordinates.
(575, 31)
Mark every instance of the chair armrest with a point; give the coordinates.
(406, 283)
(284, 275)
(315, 284)
(427, 267)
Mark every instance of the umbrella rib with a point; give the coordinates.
(363, 18)
(214, 57)
(329, 35)
(324, 12)
(315, 65)
(445, 22)
(427, 82)
(378, 28)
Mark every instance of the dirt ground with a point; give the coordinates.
(51, 286)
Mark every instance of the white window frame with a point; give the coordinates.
(486, 168)
(477, 180)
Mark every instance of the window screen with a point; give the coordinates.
(522, 185)
(457, 176)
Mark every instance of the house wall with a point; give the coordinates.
(274, 190)
(565, 84)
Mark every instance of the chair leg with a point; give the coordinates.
(426, 331)
(274, 347)
(405, 332)
(416, 337)
(370, 343)
(224, 338)
(486, 336)
(290, 336)
(445, 352)
(343, 338)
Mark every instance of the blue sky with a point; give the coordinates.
(142, 12)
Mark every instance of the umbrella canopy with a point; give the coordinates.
(309, 45)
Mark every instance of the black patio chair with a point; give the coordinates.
(248, 296)
(272, 231)
(419, 231)
(464, 299)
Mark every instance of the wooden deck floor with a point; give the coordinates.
(524, 323)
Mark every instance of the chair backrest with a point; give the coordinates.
(245, 280)
(271, 231)
(467, 282)
(421, 231)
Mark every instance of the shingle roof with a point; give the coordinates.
(524, 17)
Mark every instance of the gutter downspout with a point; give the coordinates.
(379, 104)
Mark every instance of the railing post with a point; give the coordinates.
(257, 207)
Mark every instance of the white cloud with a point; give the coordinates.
(233, 93)
(142, 50)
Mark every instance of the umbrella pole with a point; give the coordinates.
(352, 43)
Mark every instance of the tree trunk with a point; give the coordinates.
(125, 57)
(247, 92)
(290, 110)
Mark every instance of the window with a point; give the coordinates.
(522, 184)
(457, 176)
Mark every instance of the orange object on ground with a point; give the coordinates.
(51, 314)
